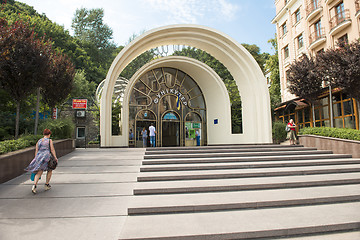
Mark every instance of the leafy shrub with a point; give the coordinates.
(343, 133)
(278, 132)
(33, 139)
(60, 128)
(94, 142)
(13, 145)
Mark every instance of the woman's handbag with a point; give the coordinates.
(52, 164)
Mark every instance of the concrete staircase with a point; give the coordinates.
(245, 192)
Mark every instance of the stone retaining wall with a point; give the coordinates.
(337, 145)
(12, 164)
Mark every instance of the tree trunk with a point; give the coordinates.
(37, 111)
(17, 119)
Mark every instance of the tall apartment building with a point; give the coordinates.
(307, 27)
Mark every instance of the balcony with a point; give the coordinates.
(312, 9)
(316, 38)
(340, 21)
(328, 1)
(357, 7)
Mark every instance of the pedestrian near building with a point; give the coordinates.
(39, 164)
(292, 134)
(197, 134)
(144, 137)
(131, 135)
(152, 134)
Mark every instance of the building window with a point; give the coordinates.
(321, 110)
(80, 132)
(300, 41)
(284, 29)
(286, 52)
(339, 11)
(315, 4)
(343, 109)
(297, 16)
(343, 39)
(317, 26)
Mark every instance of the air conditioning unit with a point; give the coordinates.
(80, 114)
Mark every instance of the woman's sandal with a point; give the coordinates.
(33, 189)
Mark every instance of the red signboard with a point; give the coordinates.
(79, 104)
(54, 114)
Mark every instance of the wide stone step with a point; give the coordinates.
(246, 173)
(236, 154)
(226, 150)
(240, 224)
(244, 165)
(236, 146)
(240, 184)
(328, 236)
(205, 202)
(252, 159)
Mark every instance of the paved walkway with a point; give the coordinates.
(91, 189)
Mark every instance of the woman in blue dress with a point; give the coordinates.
(40, 163)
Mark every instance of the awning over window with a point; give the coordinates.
(299, 103)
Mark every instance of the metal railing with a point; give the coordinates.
(312, 6)
(317, 34)
(339, 18)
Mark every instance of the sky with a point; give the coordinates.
(246, 21)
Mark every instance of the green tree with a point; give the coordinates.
(95, 37)
(88, 26)
(115, 120)
(272, 65)
(82, 88)
(260, 58)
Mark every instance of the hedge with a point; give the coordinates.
(60, 128)
(344, 133)
(20, 143)
(278, 131)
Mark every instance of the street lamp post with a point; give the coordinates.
(331, 104)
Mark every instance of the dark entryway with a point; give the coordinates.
(170, 134)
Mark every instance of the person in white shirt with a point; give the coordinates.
(152, 133)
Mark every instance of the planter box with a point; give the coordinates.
(12, 164)
(337, 145)
(97, 145)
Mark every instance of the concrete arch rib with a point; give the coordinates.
(242, 66)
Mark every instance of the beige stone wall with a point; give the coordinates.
(338, 146)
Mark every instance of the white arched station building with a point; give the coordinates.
(180, 95)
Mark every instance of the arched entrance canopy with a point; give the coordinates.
(242, 66)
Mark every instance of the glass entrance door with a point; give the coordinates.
(170, 134)
(170, 130)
